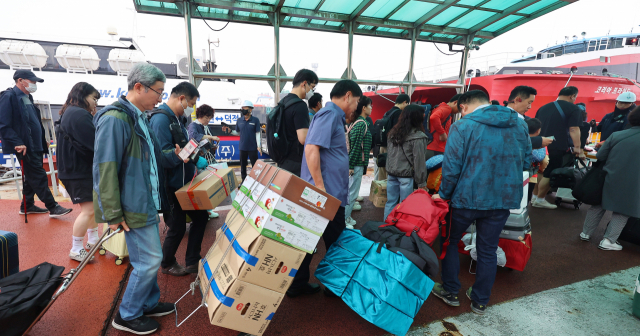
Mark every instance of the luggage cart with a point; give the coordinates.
(73, 274)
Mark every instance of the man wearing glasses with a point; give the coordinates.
(128, 185)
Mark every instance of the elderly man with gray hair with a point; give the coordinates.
(128, 192)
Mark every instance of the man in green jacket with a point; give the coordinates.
(129, 192)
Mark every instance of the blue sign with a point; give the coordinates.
(229, 150)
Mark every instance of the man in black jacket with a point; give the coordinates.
(520, 100)
(22, 133)
(402, 101)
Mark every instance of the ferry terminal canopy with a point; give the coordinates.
(455, 22)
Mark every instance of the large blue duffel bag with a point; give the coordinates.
(383, 287)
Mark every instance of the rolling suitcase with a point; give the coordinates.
(116, 245)
(516, 227)
(8, 254)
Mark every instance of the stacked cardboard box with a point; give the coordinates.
(275, 220)
(378, 193)
(207, 190)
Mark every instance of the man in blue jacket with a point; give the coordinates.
(22, 134)
(128, 192)
(183, 97)
(486, 153)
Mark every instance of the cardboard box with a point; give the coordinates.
(378, 189)
(273, 227)
(379, 201)
(290, 187)
(254, 258)
(241, 306)
(207, 190)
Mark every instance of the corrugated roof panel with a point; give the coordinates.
(501, 23)
(270, 2)
(365, 27)
(298, 19)
(537, 6)
(390, 30)
(412, 11)
(446, 16)
(318, 22)
(205, 10)
(305, 4)
(470, 2)
(170, 5)
(425, 34)
(498, 4)
(150, 3)
(334, 23)
(381, 8)
(471, 19)
(340, 6)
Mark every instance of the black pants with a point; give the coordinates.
(177, 223)
(36, 181)
(294, 167)
(331, 233)
(252, 155)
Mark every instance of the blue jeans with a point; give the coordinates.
(354, 189)
(489, 225)
(145, 254)
(398, 188)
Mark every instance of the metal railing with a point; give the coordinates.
(17, 174)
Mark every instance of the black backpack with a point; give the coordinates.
(427, 129)
(277, 141)
(175, 127)
(382, 127)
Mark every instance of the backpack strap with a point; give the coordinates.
(564, 117)
(366, 129)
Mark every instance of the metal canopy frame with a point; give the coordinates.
(494, 22)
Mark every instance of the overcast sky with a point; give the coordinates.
(249, 48)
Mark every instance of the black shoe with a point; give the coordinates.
(139, 326)
(175, 270)
(33, 210)
(161, 309)
(58, 211)
(192, 268)
(306, 289)
(478, 308)
(328, 293)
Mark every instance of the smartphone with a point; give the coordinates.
(552, 138)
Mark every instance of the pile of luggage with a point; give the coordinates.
(515, 239)
(276, 219)
(384, 271)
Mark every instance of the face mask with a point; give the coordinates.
(245, 112)
(31, 88)
(187, 110)
(309, 94)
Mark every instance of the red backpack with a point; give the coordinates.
(419, 213)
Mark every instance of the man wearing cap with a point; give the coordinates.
(617, 120)
(249, 129)
(22, 133)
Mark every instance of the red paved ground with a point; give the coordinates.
(558, 258)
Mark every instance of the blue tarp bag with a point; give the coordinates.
(383, 287)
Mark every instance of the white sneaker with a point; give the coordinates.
(584, 236)
(534, 199)
(357, 206)
(542, 203)
(213, 214)
(607, 245)
(350, 223)
(79, 256)
(359, 199)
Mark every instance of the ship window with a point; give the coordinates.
(557, 51)
(574, 48)
(50, 49)
(615, 43)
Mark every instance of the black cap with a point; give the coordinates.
(27, 74)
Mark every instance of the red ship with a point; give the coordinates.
(601, 68)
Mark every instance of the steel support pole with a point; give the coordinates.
(186, 10)
(350, 51)
(411, 58)
(276, 47)
(463, 63)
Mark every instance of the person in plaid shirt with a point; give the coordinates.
(359, 145)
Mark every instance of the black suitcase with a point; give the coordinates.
(9, 260)
(631, 231)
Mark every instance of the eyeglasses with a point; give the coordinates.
(159, 93)
(95, 99)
